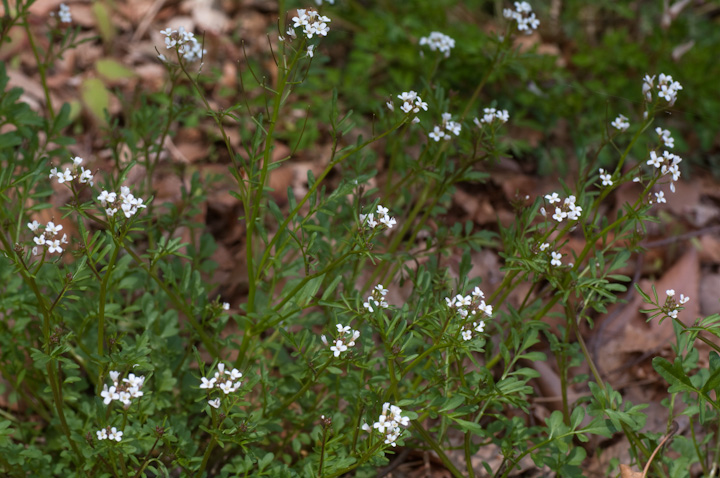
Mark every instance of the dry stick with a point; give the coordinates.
(147, 19)
(670, 434)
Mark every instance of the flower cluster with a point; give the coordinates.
(184, 42)
(491, 115)
(389, 423)
(621, 123)
(524, 16)
(673, 306)
(667, 88)
(376, 299)
(568, 210)
(84, 176)
(371, 221)
(440, 132)
(123, 390)
(64, 14)
(412, 103)
(226, 381)
(48, 237)
(346, 338)
(470, 305)
(109, 433)
(606, 178)
(439, 42)
(667, 164)
(666, 137)
(128, 203)
(311, 22)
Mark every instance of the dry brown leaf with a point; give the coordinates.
(627, 472)
(709, 249)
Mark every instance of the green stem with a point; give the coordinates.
(206, 457)
(41, 70)
(103, 298)
(434, 445)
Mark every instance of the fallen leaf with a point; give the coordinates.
(627, 472)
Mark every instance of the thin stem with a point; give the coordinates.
(41, 70)
(103, 297)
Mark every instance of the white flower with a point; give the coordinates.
(524, 16)
(665, 137)
(383, 291)
(556, 256)
(461, 301)
(668, 88)
(214, 403)
(226, 305)
(338, 348)
(606, 178)
(226, 386)
(486, 309)
(369, 304)
(102, 434)
(52, 229)
(621, 123)
(109, 394)
(437, 134)
(64, 14)
(390, 106)
(310, 53)
(86, 176)
(388, 221)
(408, 96)
(670, 292)
(559, 214)
(683, 299)
(467, 335)
(106, 198)
(648, 84)
(660, 197)
(544, 246)
(479, 326)
(54, 246)
(574, 212)
(40, 240)
(33, 226)
(438, 42)
(654, 160)
(115, 434)
(389, 423)
(552, 198)
(477, 293)
(453, 127)
(65, 176)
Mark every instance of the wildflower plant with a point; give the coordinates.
(127, 363)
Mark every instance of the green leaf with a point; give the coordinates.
(713, 381)
(113, 70)
(467, 426)
(104, 24)
(577, 417)
(96, 98)
(674, 375)
(453, 403)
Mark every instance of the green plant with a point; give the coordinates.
(126, 363)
